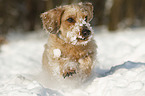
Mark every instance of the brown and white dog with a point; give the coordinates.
(70, 49)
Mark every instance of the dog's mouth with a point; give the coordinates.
(81, 38)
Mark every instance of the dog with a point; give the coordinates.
(71, 49)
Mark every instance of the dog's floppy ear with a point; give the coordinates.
(52, 19)
(89, 8)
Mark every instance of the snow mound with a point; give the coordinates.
(127, 65)
(21, 86)
(121, 80)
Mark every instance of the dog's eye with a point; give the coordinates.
(70, 20)
(86, 18)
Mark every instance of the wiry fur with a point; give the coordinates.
(76, 56)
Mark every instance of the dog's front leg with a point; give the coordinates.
(68, 67)
(85, 65)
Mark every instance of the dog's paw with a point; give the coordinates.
(69, 73)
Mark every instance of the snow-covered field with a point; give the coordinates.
(120, 70)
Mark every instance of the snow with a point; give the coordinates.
(57, 52)
(119, 71)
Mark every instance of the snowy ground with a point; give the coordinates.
(119, 70)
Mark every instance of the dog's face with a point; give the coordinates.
(70, 22)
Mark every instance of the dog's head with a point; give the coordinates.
(70, 22)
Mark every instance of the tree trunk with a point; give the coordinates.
(99, 6)
(115, 14)
(130, 14)
(3, 18)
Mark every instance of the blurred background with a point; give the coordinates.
(25, 14)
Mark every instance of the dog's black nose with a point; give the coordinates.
(86, 32)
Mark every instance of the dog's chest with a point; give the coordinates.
(67, 50)
(74, 52)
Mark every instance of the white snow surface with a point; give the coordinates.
(119, 71)
(57, 52)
